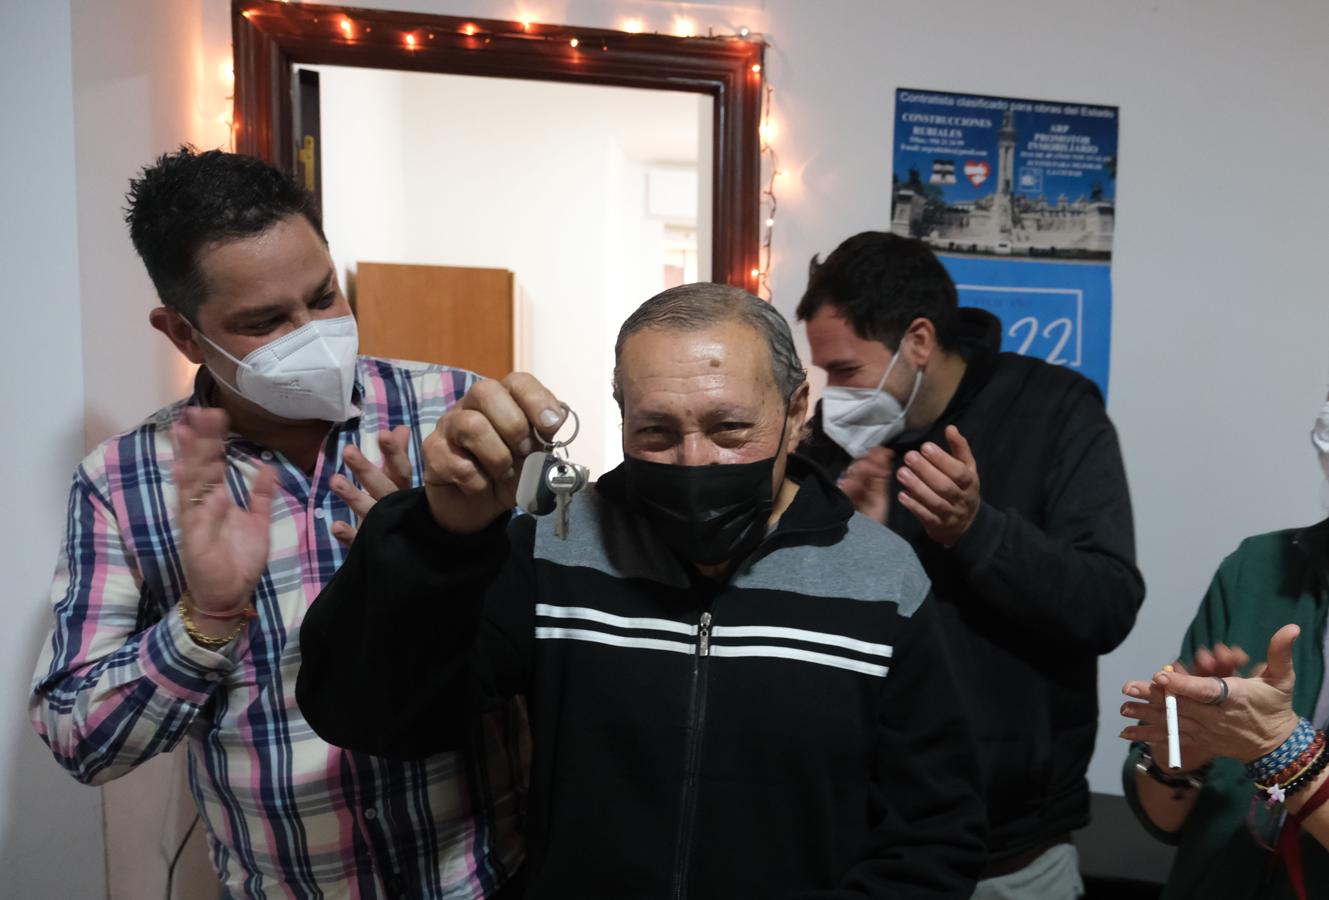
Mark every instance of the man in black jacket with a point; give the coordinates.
(721, 704)
(1004, 474)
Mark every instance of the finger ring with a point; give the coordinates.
(1222, 692)
(197, 499)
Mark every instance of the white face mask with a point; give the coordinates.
(1320, 438)
(859, 419)
(306, 374)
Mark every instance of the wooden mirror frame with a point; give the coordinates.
(270, 36)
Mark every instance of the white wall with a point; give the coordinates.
(146, 80)
(147, 77)
(364, 176)
(50, 826)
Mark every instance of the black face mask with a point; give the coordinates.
(705, 514)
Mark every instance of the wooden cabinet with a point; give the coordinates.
(463, 317)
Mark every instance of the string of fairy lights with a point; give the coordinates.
(526, 28)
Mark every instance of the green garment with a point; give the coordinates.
(1270, 581)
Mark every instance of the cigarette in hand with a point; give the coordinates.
(1173, 731)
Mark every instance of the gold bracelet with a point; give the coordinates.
(243, 611)
(206, 641)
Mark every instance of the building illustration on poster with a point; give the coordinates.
(1018, 199)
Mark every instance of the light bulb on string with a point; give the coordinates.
(633, 26)
(765, 256)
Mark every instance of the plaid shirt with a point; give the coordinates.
(287, 814)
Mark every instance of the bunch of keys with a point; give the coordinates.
(549, 479)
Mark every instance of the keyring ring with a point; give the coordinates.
(1222, 694)
(558, 445)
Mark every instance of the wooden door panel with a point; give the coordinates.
(442, 314)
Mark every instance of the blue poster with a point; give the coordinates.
(1018, 199)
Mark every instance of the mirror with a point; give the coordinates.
(506, 225)
(576, 170)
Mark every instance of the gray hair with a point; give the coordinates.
(692, 307)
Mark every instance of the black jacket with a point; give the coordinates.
(1043, 582)
(791, 732)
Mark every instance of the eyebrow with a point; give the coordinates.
(324, 286)
(259, 313)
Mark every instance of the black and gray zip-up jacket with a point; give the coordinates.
(793, 731)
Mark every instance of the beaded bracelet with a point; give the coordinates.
(1266, 768)
(1289, 774)
(1278, 792)
(1306, 777)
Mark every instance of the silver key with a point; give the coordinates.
(549, 479)
(564, 479)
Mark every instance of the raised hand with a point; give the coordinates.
(377, 483)
(1255, 717)
(223, 547)
(474, 455)
(941, 489)
(867, 483)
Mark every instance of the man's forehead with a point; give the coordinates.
(834, 341)
(281, 265)
(666, 352)
(727, 364)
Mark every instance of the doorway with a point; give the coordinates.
(579, 200)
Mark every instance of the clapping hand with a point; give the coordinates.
(376, 483)
(867, 483)
(941, 489)
(223, 546)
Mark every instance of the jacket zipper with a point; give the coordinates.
(696, 724)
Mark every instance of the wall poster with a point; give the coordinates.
(1018, 199)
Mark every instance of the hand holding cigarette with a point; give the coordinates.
(1214, 711)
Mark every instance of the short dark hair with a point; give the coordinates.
(692, 307)
(188, 199)
(880, 282)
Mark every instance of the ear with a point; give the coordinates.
(919, 343)
(798, 414)
(178, 330)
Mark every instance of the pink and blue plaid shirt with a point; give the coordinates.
(287, 814)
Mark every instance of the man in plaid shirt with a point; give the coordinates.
(288, 437)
